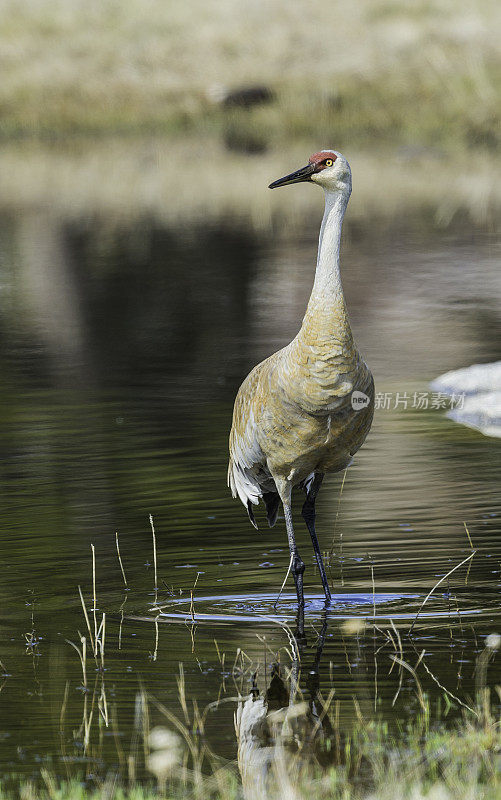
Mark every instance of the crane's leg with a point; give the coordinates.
(299, 634)
(308, 513)
(297, 567)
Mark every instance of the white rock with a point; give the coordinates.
(470, 380)
(481, 386)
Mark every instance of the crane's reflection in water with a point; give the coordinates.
(273, 726)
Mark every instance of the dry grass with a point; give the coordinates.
(198, 44)
(409, 91)
(184, 178)
(138, 64)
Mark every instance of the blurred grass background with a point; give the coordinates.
(209, 83)
(420, 70)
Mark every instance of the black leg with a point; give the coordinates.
(309, 517)
(299, 634)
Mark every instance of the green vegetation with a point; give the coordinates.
(426, 760)
(442, 111)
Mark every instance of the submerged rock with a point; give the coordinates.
(481, 386)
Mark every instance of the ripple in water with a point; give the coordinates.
(262, 608)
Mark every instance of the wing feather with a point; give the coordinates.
(247, 460)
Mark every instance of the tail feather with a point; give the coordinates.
(272, 501)
(250, 512)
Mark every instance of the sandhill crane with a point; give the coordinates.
(306, 409)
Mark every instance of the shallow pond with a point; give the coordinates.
(121, 351)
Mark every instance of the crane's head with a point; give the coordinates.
(328, 168)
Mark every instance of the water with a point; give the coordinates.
(121, 350)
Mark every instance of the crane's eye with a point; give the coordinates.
(328, 162)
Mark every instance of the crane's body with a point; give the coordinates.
(294, 417)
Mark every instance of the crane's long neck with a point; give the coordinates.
(326, 316)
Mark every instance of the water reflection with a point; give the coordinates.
(277, 716)
(121, 348)
(144, 303)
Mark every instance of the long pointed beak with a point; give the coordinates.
(300, 175)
